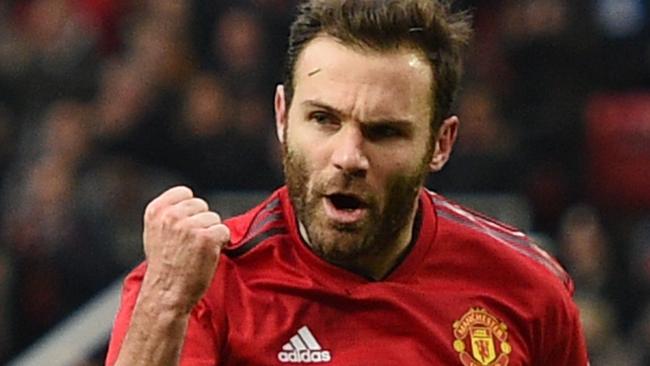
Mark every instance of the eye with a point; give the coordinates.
(379, 132)
(323, 118)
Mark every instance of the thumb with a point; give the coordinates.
(220, 234)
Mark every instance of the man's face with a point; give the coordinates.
(357, 145)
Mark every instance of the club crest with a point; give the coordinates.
(481, 339)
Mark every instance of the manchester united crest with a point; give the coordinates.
(481, 339)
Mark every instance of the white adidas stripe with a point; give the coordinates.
(302, 341)
(306, 335)
(297, 343)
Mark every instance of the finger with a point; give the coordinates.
(220, 233)
(191, 207)
(167, 198)
(204, 219)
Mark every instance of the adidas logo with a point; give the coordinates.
(303, 348)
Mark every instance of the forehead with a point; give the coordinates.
(370, 82)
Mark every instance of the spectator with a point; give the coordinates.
(485, 158)
(222, 157)
(103, 104)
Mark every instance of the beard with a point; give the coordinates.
(388, 212)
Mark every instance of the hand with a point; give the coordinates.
(182, 243)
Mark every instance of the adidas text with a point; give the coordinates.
(303, 348)
(304, 356)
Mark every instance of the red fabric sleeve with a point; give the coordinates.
(564, 343)
(201, 342)
(130, 292)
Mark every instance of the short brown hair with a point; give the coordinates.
(428, 26)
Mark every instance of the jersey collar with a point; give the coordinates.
(324, 271)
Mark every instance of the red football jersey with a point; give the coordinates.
(470, 291)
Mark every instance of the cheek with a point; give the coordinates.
(395, 168)
(312, 153)
(390, 166)
(300, 166)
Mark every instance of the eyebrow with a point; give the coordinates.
(397, 122)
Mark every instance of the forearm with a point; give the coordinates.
(182, 242)
(156, 333)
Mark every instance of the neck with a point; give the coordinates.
(375, 265)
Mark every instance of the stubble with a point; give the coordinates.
(340, 243)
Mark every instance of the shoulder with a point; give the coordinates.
(492, 245)
(263, 222)
(505, 271)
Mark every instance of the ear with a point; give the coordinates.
(281, 112)
(444, 143)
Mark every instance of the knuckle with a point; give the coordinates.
(196, 204)
(215, 217)
(170, 217)
(200, 202)
(222, 233)
(207, 219)
(182, 190)
(186, 190)
(150, 210)
(204, 236)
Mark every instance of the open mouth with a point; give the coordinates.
(345, 202)
(345, 208)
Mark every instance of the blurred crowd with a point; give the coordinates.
(105, 103)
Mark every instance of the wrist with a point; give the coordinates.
(159, 296)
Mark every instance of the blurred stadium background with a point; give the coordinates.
(104, 103)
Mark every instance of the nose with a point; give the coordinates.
(348, 152)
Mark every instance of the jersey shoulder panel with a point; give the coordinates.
(250, 229)
(509, 241)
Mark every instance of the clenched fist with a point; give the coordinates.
(182, 242)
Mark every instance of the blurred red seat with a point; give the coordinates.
(618, 149)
